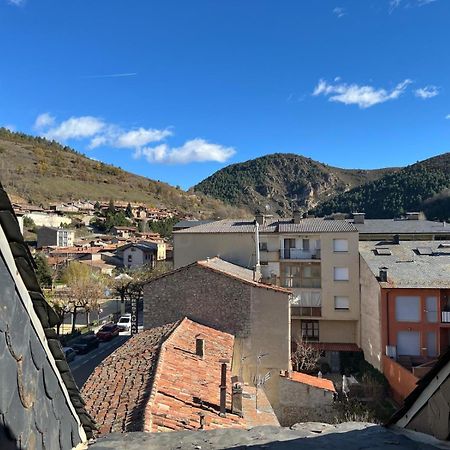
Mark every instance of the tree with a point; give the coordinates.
(129, 211)
(97, 206)
(59, 300)
(43, 271)
(83, 289)
(111, 207)
(305, 358)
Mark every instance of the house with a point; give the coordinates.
(412, 227)
(123, 232)
(58, 237)
(178, 377)
(317, 258)
(183, 224)
(405, 308)
(142, 253)
(427, 407)
(40, 404)
(228, 298)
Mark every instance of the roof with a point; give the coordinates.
(190, 223)
(187, 384)
(228, 269)
(156, 382)
(407, 265)
(402, 226)
(335, 347)
(321, 383)
(48, 318)
(308, 225)
(118, 390)
(422, 384)
(144, 246)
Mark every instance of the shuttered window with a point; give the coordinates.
(407, 308)
(341, 273)
(340, 245)
(341, 302)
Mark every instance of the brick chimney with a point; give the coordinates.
(259, 217)
(383, 274)
(236, 400)
(413, 215)
(358, 217)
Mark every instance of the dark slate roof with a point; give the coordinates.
(422, 384)
(26, 266)
(308, 225)
(402, 226)
(408, 266)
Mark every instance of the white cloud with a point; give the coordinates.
(427, 92)
(113, 75)
(339, 12)
(44, 120)
(141, 137)
(394, 4)
(363, 96)
(447, 116)
(16, 2)
(425, 2)
(76, 128)
(195, 150)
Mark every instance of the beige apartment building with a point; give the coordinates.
(317, 258)
(57, 237)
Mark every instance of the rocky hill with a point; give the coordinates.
(277, 182)
(39, 171)
(424, 186)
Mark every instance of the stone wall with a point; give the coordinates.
(204, 296)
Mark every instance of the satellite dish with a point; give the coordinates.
(267, 207)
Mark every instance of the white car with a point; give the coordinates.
(124, 322)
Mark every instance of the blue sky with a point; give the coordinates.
(175, 90)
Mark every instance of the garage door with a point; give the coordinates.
(408, 343)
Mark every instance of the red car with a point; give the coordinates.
(107, 332)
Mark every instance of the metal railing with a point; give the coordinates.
(298, 253)
(306, 311)
(445, 316)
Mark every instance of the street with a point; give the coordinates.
(83, 365)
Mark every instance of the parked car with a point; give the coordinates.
(107, 332)
(69, 353)
(124, 322)
(85, 344)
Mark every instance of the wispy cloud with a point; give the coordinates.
(394, 4)
(354, 94)
(99, 133)
(427, 92)
(16, 2)
(43, 120)
(195, 150)
(447, 116)
(339, 12)
(113, 75)
(76, 128)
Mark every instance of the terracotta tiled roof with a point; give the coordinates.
(321, 383)
(156, 382)
(118, 390)
(186, 384)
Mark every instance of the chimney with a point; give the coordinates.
(297, 216)
(412, 215)
(259, 217)
(236, 400)
(358, 217)
(396, 239)
(383, 275)
(223, 388)
(200, 346)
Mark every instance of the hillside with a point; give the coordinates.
(39, 171)
(424, 186)
(272, 182)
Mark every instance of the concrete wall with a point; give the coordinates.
(237, 248)
(300, 402)
(371, 323)
(331, 331)
(48, 220)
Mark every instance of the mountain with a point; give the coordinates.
(424, 186)
(273, 182)
(40, 172)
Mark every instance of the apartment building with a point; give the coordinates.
(55, 237)
(405, 308)
(317, 258)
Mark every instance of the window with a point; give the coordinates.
(306, 275)
(341, 303)
(310, 330)
(263, 246)
(341, 274)
(340, 245)
(305, 245)
(408, 343)
(431, 309)
(130, 258)
(431, 344)
(407, 308)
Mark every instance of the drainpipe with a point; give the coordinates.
(257, 270)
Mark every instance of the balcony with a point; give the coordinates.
(445, 316)
(298, 253)
(306, 311)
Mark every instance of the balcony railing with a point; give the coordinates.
(299, 283)
(445, 316)
(298, 253)
(306, 311)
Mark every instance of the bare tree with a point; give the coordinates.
(305, 358)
